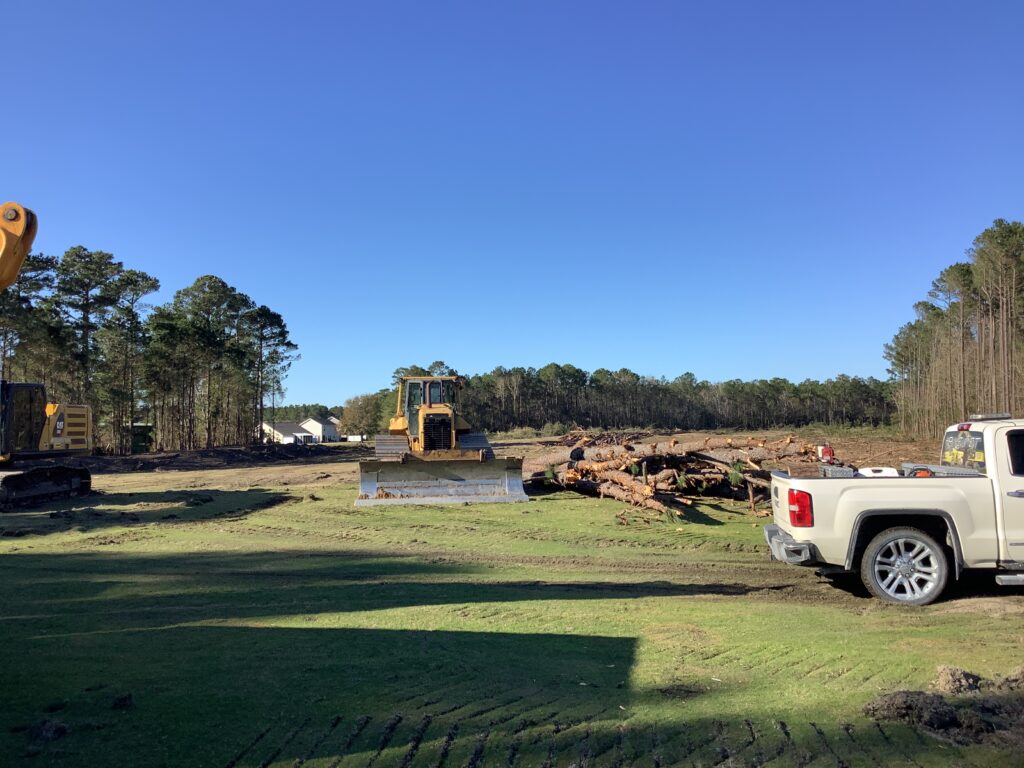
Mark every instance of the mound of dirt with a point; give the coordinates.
(1012, 682)
(914, 708)
(974, 710)
(956, 681)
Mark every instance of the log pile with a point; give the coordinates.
(667, 477)
(579, 438)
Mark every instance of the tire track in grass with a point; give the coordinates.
(385, 737)
(619, 749)
(417, 739)
(656, 757)
(887, 740)
(266, 761)
(446, 745)
(840, 763)
(569, 741)
(517, 737)
(478, 750)
(522, 713)
(765, 751)
(511, 743)
(721, 752)
(357, 729)
(450, 710)
(801, 756)
(488, 710)
(858, 745)
(335, 721)
(832, 679)
(752, 742)
(611, 742)
(694, 748)
(247, 748)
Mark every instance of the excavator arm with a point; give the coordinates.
(18, 227)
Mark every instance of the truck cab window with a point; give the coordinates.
(1015, 449)
(435, 393)
(964, 449)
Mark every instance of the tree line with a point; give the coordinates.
(197, 370)
(299, 412)
(963, 352)
(557, 397)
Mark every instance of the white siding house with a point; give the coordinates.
(322, 429)
(287, 433)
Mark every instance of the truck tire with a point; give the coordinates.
(905, 566)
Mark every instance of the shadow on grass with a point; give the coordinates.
(253, 659)
(971, 584)
(95, 510)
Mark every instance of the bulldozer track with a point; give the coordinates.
(585, 740)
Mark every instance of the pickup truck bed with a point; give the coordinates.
(907, 534)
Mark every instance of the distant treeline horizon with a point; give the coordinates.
(558, 397)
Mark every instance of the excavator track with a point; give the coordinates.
(33, 486)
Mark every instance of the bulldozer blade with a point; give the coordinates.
(414, 481)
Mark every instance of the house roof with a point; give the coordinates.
(315, 420)
(286, 428)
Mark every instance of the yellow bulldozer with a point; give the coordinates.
(31, 429)
(431, 455)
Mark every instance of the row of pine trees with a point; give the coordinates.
(196, 370)
(965, 351)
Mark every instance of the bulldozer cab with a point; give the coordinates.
(427, 411)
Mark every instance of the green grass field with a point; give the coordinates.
(282, 626)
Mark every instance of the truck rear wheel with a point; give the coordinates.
(905, 566)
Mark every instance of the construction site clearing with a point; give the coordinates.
(233, 607)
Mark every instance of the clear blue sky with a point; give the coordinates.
(734, 189)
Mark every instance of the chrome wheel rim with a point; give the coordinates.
(907, 569)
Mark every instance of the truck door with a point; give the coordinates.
(1010, 464)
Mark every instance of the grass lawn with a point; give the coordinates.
(227, 625)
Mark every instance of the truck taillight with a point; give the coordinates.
(801, 513)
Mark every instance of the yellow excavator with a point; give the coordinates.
(431, 455)
(30, 427)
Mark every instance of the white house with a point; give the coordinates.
(287, 433)
(322, 429)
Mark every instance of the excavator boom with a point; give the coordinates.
(18, 227)
(29, 426)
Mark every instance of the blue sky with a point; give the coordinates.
(734, 189)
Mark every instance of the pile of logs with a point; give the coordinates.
(579, 438)
(667, 477)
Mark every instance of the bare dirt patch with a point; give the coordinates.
(956, 681)
(970, 709)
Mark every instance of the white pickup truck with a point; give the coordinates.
(907, 533)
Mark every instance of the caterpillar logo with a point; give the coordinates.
(58, 427)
